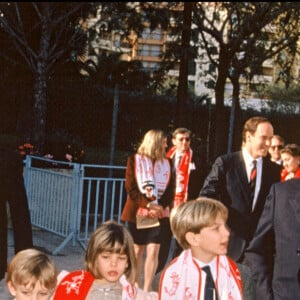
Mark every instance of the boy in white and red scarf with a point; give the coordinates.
(200, 228)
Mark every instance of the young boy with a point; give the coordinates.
(31, 275)
(200, 228)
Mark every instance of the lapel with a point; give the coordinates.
(173, 164)
(264, 178)
(241, 176)
(294, 196)
(295, 204)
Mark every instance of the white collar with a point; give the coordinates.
(212, 264)
(177, 153)
(248, 158)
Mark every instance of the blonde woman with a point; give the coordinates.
(150, 194)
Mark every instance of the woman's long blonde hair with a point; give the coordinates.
(152, 144)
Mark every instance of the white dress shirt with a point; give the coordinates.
(178, 156)
(248, 159)
(213, 267)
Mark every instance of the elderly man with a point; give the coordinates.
(187, 174)
(277, 143)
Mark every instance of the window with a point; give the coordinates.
(150, 50)
(153, 35)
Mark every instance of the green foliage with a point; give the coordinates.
(279, 93)
(167, 86)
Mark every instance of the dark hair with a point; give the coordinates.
(180, 130)
(292, 149)
(279, 137)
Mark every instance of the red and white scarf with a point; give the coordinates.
(183, 279)
(156, 174)
(182, 175)
(76, 285)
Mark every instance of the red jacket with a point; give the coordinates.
(284, 174)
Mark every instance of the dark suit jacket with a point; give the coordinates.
(281, 215)
(227, 182)
(12, 191)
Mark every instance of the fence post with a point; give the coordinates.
(26, 171)
(74, 210)
(76, 197)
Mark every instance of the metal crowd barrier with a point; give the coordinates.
(70, 199)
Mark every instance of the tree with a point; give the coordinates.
(116, 74)
(182, 92)
(224, 27)
(278, 41)
(41, 35)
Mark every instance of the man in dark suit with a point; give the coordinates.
(12, 191)
(281, 217)
(187, 174)
(230, 182)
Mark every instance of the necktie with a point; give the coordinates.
(178, 160)
(210, 289)
(253, 179)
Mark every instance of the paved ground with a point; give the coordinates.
(71, 257)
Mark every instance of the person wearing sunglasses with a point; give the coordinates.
(277, 144)
(186, 173)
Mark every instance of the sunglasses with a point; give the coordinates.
(279, 147)
(184, 138)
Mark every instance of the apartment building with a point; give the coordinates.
(150, 47)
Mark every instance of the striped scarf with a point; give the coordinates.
(156, 175)
(76, 285)
(183, 279)
(182, 175)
